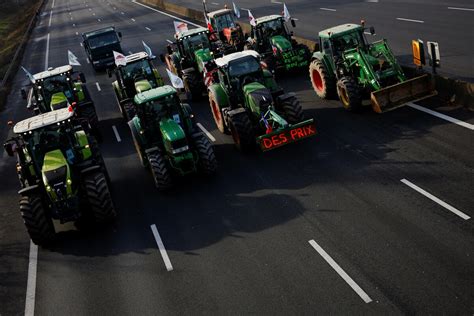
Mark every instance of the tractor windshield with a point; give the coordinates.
(348, 41)
(195, 42)
(243, 66)
(102, 40)
(224, 21)
(55, 84)
(274, 28)
(163, 107)
(138, 70)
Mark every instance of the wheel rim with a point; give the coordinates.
(216, 112)
(317, 80)
(344, 96)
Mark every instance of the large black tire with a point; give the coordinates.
(136, 143)
(38, 224)
(128, 110)
(242, 131)
(323, 83)
(159, 170)
(193, 85)
(207, 163)
(98, 157)
(349, 94)
(90, 115)
(217, 114)
(98, 197)
(292, 111)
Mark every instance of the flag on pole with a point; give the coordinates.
(252, 20)
(286, 13)
(208, 23)
(120, 59)
(148, 50)
(28, 74)
(175, 80)
(72, 59)
(236, 10)
(180, 26)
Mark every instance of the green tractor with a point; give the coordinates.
(138, 75)
(271, 38)
(57, 88)
(246, 102)
(194, 51)
(167, 139)
(61, 171)
(353, 68)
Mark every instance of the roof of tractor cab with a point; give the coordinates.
(339, 30)
(99, 31)
(267, 18)
(52, 72)
(218, 13)
(192, 32)
(154, 94)
(135, 57)
(42, 120)
(224, 61)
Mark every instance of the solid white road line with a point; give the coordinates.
(462, 9)
(31, 282)
(167, 14)
(442, 116)
(341, 272)
(410, 20)
(46, 57)
(149, 29)
(327, 9)
(163, 252)
(209, 135)
(98, 86)
(435, 199)
(117, 135)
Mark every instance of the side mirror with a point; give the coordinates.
(293, 23)
(372, 30)
(8, 148)
(23, 94)
(82, 77)
(169, 49)
(119, 34)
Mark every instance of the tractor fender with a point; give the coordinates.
(31, 188)
(187, 109)
(134, 125)
(152, 149)
(325, 60)
(221, 96)
(285, 96)
(90, 169)
(236, 111)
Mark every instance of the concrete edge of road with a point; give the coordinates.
(5, 84)
(451, 91)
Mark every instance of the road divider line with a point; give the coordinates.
(50, 18)
(31, 281)
(170, 42)
(149, 29)
(52, 5)
(162, 248)
(98, 86)
(209, 135)
(441, 116)
(117, 135)
(410, 20)
(435, 199)
(133, 19)
(461, 9)
(167, 14)
(46, 55)
(341, 272)
(327, 9)
(77, 33)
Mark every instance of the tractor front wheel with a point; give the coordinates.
(136, 143)
(159, 170)
(217, 114)
(242, 131)
(323, 84)
(88, 113)
(349, 94)
(192, 85)
(38, 224)
(207, 159)
(99, 198)
(292, 111)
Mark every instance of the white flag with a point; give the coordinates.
(175, 80)
(236, 10)
(72, 59)
(148, 50)
(28, 74)
(286, 13)
(120, 59)
(180, 26)
(252, 19)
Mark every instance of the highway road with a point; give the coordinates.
(372, 216)
(450, 23)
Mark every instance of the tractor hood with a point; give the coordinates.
(281, 42)
(56, 175)
(142, 85)
(59, 101)
(202, 56)
(171, 130)
(257, 96)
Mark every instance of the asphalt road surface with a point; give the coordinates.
(349, 222)
(450, 23)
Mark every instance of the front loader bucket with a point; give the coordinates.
(398, 95)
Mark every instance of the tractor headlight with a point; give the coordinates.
(68, 181)
(48, 188)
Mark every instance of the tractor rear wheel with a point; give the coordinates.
(217, 114)
(323, 84)
(349, 94)
(38, 224)
(159, 170)
(207, 163)
(192, 85)
(292, 111)
(136, 143)
(242, 131)
(99, 198)
(89, 114)
(128, 110)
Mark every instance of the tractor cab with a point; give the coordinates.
(271, 29)
(195, 46)
(229, 31)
